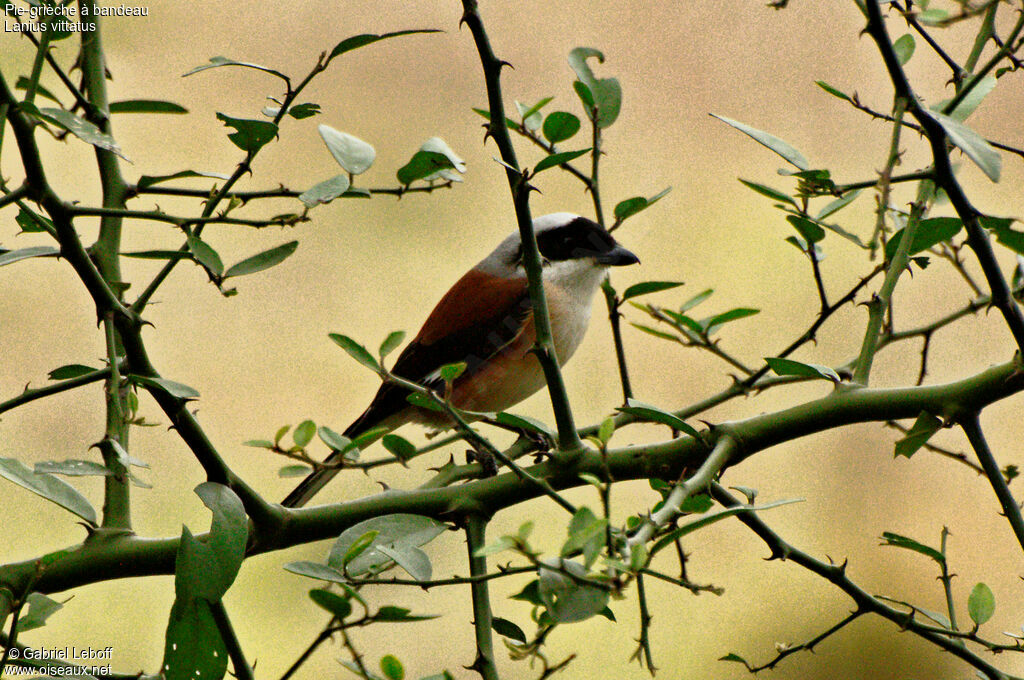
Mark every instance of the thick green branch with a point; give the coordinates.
(476, 527)
(134, 556)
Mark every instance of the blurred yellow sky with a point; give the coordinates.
(262, 359)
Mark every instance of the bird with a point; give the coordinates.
(486, 321)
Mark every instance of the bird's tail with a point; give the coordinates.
(317, 480)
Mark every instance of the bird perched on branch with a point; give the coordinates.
(486, 321)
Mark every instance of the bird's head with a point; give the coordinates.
(563, 238)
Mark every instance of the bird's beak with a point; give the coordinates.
(617, 257)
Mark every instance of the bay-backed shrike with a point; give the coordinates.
(486, 321)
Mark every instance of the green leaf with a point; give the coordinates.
(924, 427)
(530, 115)
(500, 545)
(251, 134)
(972, 144)
(654, 414)
(449, 372)
(560, 126)
(355, 350)
(193, 646)
(811, 232)
(304, 110)
(981, 604)
(838, 204)
(1014, 240)
(606, 430)
(289, 471)
(524, 423)
(735, 658)
(204, 253)
(391, 343)
(358, 547)
(932, 17)
(23, 83)
(315, 570)
(352, 153)
(224, 61)
(158, 255)
(509, 123)
(764, 190)
(898, 541)
(72, 468)
(789, 367)
(770, 141)
(212, 570)
(261, 261)
(325, 191)
(423, 401)
(697, 504)
(175, 389)
(638, 289)
(303, 433)
(583, 92)
(413, 560)
(25, 253)
(530, 593)
(711, 518)
(400, 615)
(696, 300)
(557, 159)
(833, 91)
(397, 533)
(970, 103)
(357, 41)
(506, 628)
(655, 332)
(80, 128)
(605, 94)
(930, 232)
(566, 599)
(433, 158)
(392, 668)
(40, 608)
(339, 607)
(631, 206)
(146, 106)
(903, 46)
(399, 446)
(335, 441)
(31, 222)
(586, 535)
(714, 322)
(49, 487)
(147, 181)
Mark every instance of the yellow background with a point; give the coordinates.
(364, 268)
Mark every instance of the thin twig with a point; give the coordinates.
(243, 671)
(1011, 508)
(836, 574)
(568, 441)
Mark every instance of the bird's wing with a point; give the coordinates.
(479, 316)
